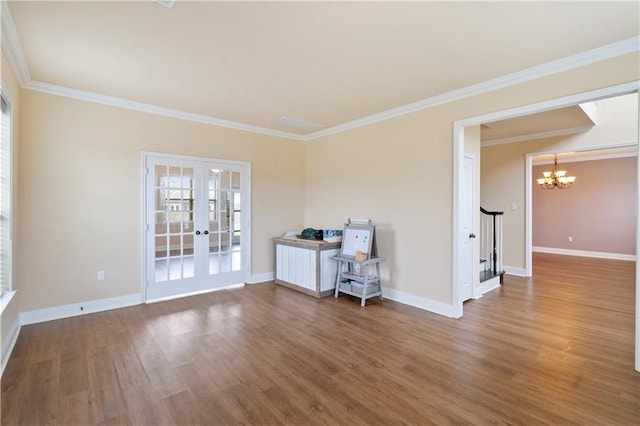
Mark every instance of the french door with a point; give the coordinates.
(197, 225)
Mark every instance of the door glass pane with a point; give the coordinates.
(224, 211)
(214, 263)
(214, 242)
(225, 179)
(162, 270)
(225, 262)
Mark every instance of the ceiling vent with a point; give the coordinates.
(298, 124)
(166, 3)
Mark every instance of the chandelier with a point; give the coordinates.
(556, 178)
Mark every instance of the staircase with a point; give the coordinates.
(491, 273)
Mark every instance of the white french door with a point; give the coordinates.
(197, 225)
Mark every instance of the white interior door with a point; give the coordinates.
(197, 225)
(466, 229)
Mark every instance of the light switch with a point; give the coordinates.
(514, 206)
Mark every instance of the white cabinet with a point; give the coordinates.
(306, 265)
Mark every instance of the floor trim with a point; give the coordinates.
(418, 302)
(76, 309)
(584, 253)
(8, 349)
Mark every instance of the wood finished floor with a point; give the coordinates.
(556, 349)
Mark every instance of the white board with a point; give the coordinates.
(355, 240)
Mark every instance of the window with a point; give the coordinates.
(5, 195)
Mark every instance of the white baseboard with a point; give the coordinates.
(518, 272)
(486, 286)
(8, 348)
(418, 302)
(75, 309)
(584, 253)
(260, 278)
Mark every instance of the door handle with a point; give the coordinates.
(206, 232)
(472, 235)
(197, 232)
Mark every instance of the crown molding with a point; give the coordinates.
(539, 135)
(15, 56)
(11, 46)
(82, 95)
(589, 57)
(596, 156)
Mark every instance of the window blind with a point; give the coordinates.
(5, 195)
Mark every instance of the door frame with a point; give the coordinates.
(246, 218)
(458, 155)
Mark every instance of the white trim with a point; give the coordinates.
(74, 309)
(637, 310)
(418, 302)
(592, 157)
(486, 286)
(8, 348)
(518, 272)
(589, 57)
(458, 165)
(5, 299)
(584, 253)
(153, 109)
(261, 278)
(12, 48)
(192, 293)
(539, 135)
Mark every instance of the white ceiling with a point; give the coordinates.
(327, 63)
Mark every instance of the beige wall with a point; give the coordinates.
(503, 167)
(399, 173)
(80, 186)
(598, 211)
(10, 313)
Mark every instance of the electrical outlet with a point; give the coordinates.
(100, 275)
(570, 238)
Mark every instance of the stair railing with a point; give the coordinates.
(491, 239)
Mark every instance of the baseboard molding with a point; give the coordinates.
(260, 278)
(486, 287)
(584, 253)
(518, 272)
(8, 348)
(76, 309)
(418, 302)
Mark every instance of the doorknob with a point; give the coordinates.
(206, 232)
(197, 232)
(472, 235)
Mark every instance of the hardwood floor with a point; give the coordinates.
(556, 349)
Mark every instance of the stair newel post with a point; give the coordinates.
(495, 251)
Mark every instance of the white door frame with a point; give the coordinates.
(458, 155)
(246, 218)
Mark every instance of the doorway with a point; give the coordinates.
(458, 132)
(196, 219)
